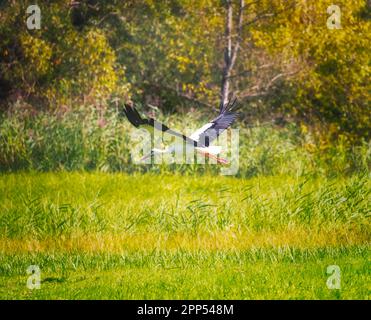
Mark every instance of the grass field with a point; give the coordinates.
(118, 236)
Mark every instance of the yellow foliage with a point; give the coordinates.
(37, 53)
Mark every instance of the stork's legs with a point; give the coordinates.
(218, 160)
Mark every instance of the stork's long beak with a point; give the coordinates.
(145, 157)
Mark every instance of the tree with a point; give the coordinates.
(238, 34)
(60, 64)
(277, 56)
(331, 87)
(230, 52)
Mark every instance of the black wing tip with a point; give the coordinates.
(132, 114)
(229, 106)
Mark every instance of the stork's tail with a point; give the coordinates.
(214, 150)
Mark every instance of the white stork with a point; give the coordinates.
(199, 140)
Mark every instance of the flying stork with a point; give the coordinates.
(199, 140)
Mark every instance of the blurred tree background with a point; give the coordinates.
(289, 68)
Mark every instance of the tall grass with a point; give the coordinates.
(47, 206)
(90, 139)
(168, 236)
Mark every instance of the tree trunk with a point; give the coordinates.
(230, 52)
(224, 94)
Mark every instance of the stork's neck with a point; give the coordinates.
(166, 150)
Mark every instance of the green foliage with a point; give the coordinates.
(331, 84)
(58, 64)
(169, 49)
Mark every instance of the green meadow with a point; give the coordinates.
(172, 236)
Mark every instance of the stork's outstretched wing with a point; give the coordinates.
(201, 137)
(210, 131)
(137, 121)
